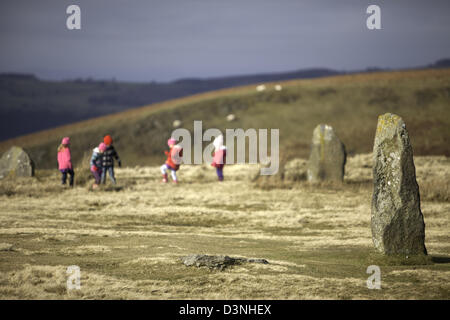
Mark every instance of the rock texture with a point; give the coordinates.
(328, 156)
(397, 221)
(16, 163)
(216, 262)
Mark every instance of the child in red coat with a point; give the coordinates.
(219, 156)
(173, 160)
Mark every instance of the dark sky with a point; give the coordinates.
(144, 40)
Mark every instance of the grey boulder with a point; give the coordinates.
(328, 156)
(216, 262)
(16, 163)
(398, 226)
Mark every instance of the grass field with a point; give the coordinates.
(127, 240)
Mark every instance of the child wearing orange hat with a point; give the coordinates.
(173, 160)
(108, 160)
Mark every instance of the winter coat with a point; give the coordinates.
(172, 155)
(219, 157)
(108, 156)
(64, 159)
(96, 159)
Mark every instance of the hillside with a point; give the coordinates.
(350, 103)
(29, 104)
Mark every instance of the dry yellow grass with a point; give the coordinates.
(127, 240)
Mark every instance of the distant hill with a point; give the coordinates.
(350, 103)
(28, 104)
(443, 63)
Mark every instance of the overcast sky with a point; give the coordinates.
(144, 40)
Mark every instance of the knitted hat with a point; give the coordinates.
(108, 140)
(218, 142)
(171, 141)
(102, 147)
(65, 140)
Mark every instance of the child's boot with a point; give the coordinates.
(164, 180)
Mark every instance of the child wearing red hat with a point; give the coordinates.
(173, 160)
(108, 160)
(65, 161)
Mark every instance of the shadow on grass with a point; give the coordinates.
(113, 188)
(110, 188)
(399, 260)
(440, 259)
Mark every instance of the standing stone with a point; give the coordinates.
(397, 222)
(16, 163)
(328, 156)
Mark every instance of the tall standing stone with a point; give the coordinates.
(16, 163)
(328, 156)
(397, 221)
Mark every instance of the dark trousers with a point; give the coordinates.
(64, 176)
(219, 172)
(109, 170)
(97, 175)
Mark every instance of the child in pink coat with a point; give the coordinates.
(65, 161)
(219, 155)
